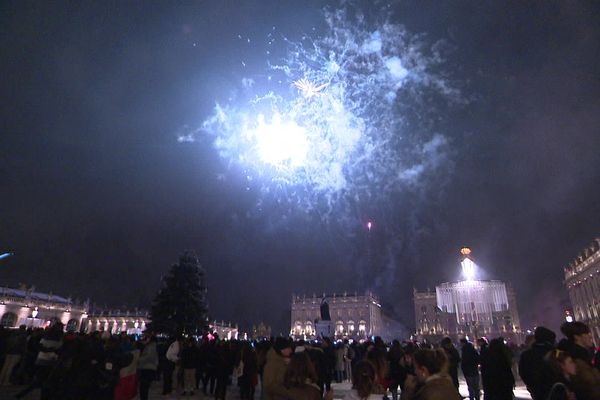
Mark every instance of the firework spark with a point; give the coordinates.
(308, 88)
(349, 141)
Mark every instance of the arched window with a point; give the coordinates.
(8, 320)
(297, 328)
(72, 325)
(339, 327)
(362, 327)
(351, 327)
(308, 329)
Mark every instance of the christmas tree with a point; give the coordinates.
(180, 305)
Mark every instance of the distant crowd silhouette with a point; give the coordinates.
(102, 366)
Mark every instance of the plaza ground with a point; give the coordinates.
(339, 389)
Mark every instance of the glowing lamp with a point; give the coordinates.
(465, 251)
(468, 269)
(369, 225)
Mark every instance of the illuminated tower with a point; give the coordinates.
(472, 301)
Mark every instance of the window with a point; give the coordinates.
(72, 325)
(8, 320)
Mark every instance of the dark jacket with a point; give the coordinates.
(496, 375)
(469, 362)
(535, 372)
(189, 357)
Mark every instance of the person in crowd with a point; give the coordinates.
(378, 357)
(533, 370)
(47, 356)
(126, 388)
(300, 380)
(171, 364)
(189, 358)
(210, 359)
(16, 345)
(579, 345)
(563, 370)
(469, 363)
(348, 357)
(394, 357)
(147, 363)
(431, 381)
(224, 370)
(73, 376)
(339, 362)
(329, 363)
(249, 374)
(364, 383)
(453, 359)
(496, 372)
(482, 345)
(278, 358)
(407, 363)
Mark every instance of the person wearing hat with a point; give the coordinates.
(278, 358)
(533, 369)
(579, 344)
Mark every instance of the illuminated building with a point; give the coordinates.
(354, 316)
(470, 307)
(227, 331)
(261, 331)
(582, 279)
(117, 321)
(25, 306)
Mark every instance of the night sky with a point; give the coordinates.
(99, 198)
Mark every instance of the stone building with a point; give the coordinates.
(226, 331)
(117, 321)
(470, 307)
(434, 322)
(25, 306)
(582, 279)
(354, 316)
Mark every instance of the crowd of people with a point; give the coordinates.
(100, 365)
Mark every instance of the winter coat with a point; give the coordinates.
(149, 357)
(189, 357)
(453, 360)
(535, 372)
(496, 376)
(586, 382)
(273, 374)
(436, 387)
(339, 358)
(469, 362)
(173, 352)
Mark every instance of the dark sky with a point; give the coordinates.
(98, 198)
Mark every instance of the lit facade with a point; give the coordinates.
(116, 321)
(226, 331)
(470, 307)
(33, 309)
(354, 316)
(435, 319)
(582, 279)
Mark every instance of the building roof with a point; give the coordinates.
(6, 291)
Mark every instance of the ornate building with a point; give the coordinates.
(582, 279)
(117, 321)
(354, 316)
(25, 306)
(470, 307)
(227, 331)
